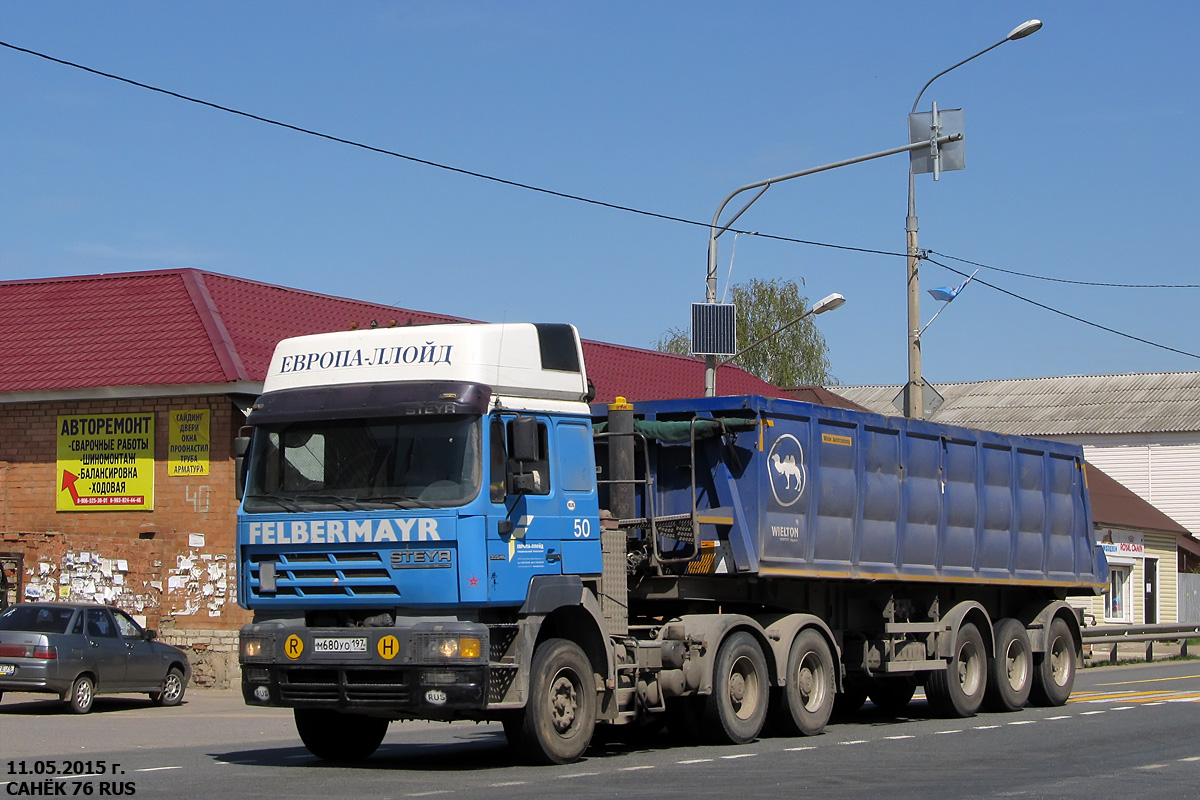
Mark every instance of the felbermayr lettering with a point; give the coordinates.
(336, 531)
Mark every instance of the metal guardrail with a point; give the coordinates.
(1112, 635)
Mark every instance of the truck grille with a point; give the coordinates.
(335, 574)
(383, 686)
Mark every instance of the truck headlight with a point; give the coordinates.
(254, 648)
(459, 647)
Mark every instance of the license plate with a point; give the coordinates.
(8, 669)
(357, 644)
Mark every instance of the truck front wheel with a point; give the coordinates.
(958, 690)
(735, 711)
(335, 736)
(560, 717)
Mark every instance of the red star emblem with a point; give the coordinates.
(474, 581)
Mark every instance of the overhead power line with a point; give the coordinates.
(427, 162)
(1064, 313)
(1065, 280)
(601, 203)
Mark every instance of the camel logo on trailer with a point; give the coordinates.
(785, 468)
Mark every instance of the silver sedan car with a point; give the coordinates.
(79, 650)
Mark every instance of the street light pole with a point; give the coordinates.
(714, 232)
(914, 395)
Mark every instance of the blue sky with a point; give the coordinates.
(1081, 162)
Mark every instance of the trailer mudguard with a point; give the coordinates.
(781, 631)
(966, 611)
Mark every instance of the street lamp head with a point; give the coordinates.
(1023, 30)
(829, 303)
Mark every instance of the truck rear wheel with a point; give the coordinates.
(1010, 672)
(737, 708)
(336, 736)
(806, 701)
(958, 690)
(560, 716)
(1054, 670)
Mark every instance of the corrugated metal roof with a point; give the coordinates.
(1148, 402)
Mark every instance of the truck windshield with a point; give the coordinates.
(426, 462)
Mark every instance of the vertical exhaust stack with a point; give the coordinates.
(614, 600)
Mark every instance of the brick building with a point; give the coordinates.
(120, 396)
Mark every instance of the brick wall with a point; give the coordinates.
(174, 565)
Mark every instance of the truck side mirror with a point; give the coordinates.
(524, 446)
(524, 441)
(241, 444)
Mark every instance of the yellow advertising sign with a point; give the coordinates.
(105, 462)
(188, 443)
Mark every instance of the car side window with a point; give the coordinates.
(77, 628)
(99, 623)
(129, 629)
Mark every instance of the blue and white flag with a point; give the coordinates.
(948, 293)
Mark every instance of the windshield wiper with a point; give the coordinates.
(344, 503)
(393, 500)
(283, 502)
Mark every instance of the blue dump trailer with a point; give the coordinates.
(436, 525)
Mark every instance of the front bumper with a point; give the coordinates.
(394, 673)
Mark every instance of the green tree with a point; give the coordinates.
(793, 357)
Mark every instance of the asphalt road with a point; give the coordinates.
(1132, 730)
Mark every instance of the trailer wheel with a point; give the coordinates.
(1010, 672)
(806, 702)
(560, 716)
(737, 708)
(336, 736)
(958, 690)
(1054, 670)
(892, 695)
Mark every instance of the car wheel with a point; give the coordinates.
(83, 693)
(171, 693)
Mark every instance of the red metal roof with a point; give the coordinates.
(187, 326)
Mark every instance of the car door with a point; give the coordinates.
(106, 651)
(145, 667)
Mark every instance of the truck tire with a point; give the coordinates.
(892, 695)
(1010, 671)
(806, 702)
(560, 716)
(737, 708)
(1054, 670)
(336, 736)
(958, 690)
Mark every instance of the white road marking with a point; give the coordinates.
(1090, 713)
(1064, 716)
(1024, 722)
(634, 769)
(577, 775)
(800, 749)
(895, 738)
(155, 769)
(695, 761)
(741, 755)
